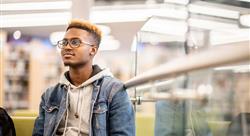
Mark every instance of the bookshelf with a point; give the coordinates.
(16, 78)
(29, 68)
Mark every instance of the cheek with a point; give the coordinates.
(82, 54)
(61, 53)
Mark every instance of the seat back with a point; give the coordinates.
(23, 125)
(219, 128)
(144, 125)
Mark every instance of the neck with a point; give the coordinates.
(78, 75)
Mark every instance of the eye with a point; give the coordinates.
(75, 42)
(63, 42)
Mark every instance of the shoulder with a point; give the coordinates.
(112, 86)
(112, 82)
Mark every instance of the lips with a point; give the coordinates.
(68, 54)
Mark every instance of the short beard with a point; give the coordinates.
(75, 65)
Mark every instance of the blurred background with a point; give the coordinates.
(138, 36)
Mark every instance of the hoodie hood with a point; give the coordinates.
(78, 101)
(96, 74)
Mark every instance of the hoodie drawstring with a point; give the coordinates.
(79, 125)
(67, 110)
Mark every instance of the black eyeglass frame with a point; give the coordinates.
(69, 41)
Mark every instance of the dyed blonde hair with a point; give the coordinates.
(87, 26)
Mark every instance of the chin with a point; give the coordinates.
(66, 64)
(70, 64)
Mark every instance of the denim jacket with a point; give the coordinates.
(111, 110)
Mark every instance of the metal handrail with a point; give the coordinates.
(212, 57)
(178, 95)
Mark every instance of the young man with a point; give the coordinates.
(87, 101)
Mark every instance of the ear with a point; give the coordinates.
(93, 51)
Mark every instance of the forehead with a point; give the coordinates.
(76, 32)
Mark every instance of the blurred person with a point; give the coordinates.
(240, 125)
(7, 127)
(88, 100)
(178, 117)
(173, 118)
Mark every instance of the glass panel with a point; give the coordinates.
(209, 102)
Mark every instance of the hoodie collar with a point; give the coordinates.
(96, 74)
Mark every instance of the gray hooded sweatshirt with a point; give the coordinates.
(77, 117)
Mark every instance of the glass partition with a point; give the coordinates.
(210, 102)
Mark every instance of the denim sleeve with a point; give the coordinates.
(121, 115)
(39, 122)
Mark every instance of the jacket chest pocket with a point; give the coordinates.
(50, 115)
(99, 115)
(50, 109)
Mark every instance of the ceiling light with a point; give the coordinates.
(156, 37)
(36, 5)
(245, 20)
(36, 19)
(224, 36)
(183, 2)
(210, 24)
(130, 15)
(204, 89)
(56, 36)
(165, 26)
(17, 35)
(213, 10)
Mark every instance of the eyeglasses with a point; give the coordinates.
(73, 43)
